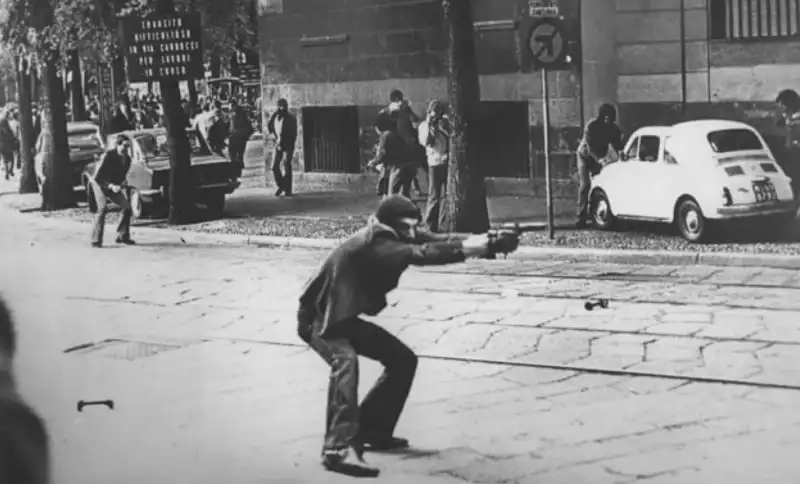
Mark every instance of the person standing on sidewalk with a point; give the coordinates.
(354, 280)
(241, 130)
(9, 144)
(24, 441)
(434, 135)
(600, 134)
(393, 154)
(283, 126)
(789, 103)
(109, 183)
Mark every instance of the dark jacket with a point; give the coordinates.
(240, 123)
(392, 150)
(288, 135)
(598, 136)
(113, 168)
(357, 276)
(119, 123)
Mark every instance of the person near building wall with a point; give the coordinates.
(434, 135)
(283, 126)
(600, 134)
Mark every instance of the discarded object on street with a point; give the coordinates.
(595, 303)
(107, 403)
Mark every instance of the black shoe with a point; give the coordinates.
(279, 192)
(97, 245)
(384, 444)
(125, 240)
(349, 462)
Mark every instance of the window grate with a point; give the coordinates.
(754, 19)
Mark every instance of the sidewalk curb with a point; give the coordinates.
(525, 253)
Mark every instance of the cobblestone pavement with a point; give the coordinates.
(219, 404)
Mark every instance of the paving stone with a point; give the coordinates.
(675, 349)
(593, 473)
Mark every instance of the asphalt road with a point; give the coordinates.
(689, 376)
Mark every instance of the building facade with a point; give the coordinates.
(659, 61)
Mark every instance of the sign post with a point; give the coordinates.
(547, 45)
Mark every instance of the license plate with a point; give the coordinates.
(764, 192)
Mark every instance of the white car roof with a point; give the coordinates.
(700, 127)
(704, 126)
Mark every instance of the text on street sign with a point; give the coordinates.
(163, 48)
(543, 8)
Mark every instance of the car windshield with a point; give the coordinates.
(156, 144)
(730, 140)
(84, 139)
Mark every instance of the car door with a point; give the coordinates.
(644, 177)
(616, 178)
(667, 182)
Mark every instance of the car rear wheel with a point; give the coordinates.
(691, 222)
(602, 216)
(139, 206)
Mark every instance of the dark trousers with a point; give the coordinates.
(383, 182)
(587, 166)
(380, 411)
(236, 148)
(101, 198)
(8, 163)
(400, 178)
(437, 183)
(282, 168)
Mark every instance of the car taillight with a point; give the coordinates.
(727, 199)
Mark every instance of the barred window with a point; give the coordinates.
(754, 19)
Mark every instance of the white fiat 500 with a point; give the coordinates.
(694, 174)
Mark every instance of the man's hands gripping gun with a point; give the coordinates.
(505, 239)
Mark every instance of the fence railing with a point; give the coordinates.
(754, 19)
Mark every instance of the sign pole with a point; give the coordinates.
(547, 172)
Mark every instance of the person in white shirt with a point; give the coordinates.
(434, 135)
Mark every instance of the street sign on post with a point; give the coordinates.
(543, 8)
(548, 48)
(163, 48)
(106, 93)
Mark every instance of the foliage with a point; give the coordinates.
(91, 26)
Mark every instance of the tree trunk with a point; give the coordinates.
(59, 169)
(465, 208)
(181, 189)
(27, 181)
(192, 98)
(76, 88)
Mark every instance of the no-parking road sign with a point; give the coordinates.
(546, 43)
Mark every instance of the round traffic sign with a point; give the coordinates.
(547, 43)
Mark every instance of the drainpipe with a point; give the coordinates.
(683, 58)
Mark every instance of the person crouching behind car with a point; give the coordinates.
(109, 183)
(789, 103)
(600, 134)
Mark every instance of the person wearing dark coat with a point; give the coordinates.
(120, 121)
(24, 440)
(283, 126)
(354, 281)
(600, 134)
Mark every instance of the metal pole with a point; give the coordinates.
(547, 172)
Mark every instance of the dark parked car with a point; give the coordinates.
(214, 176)
(85, 146)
